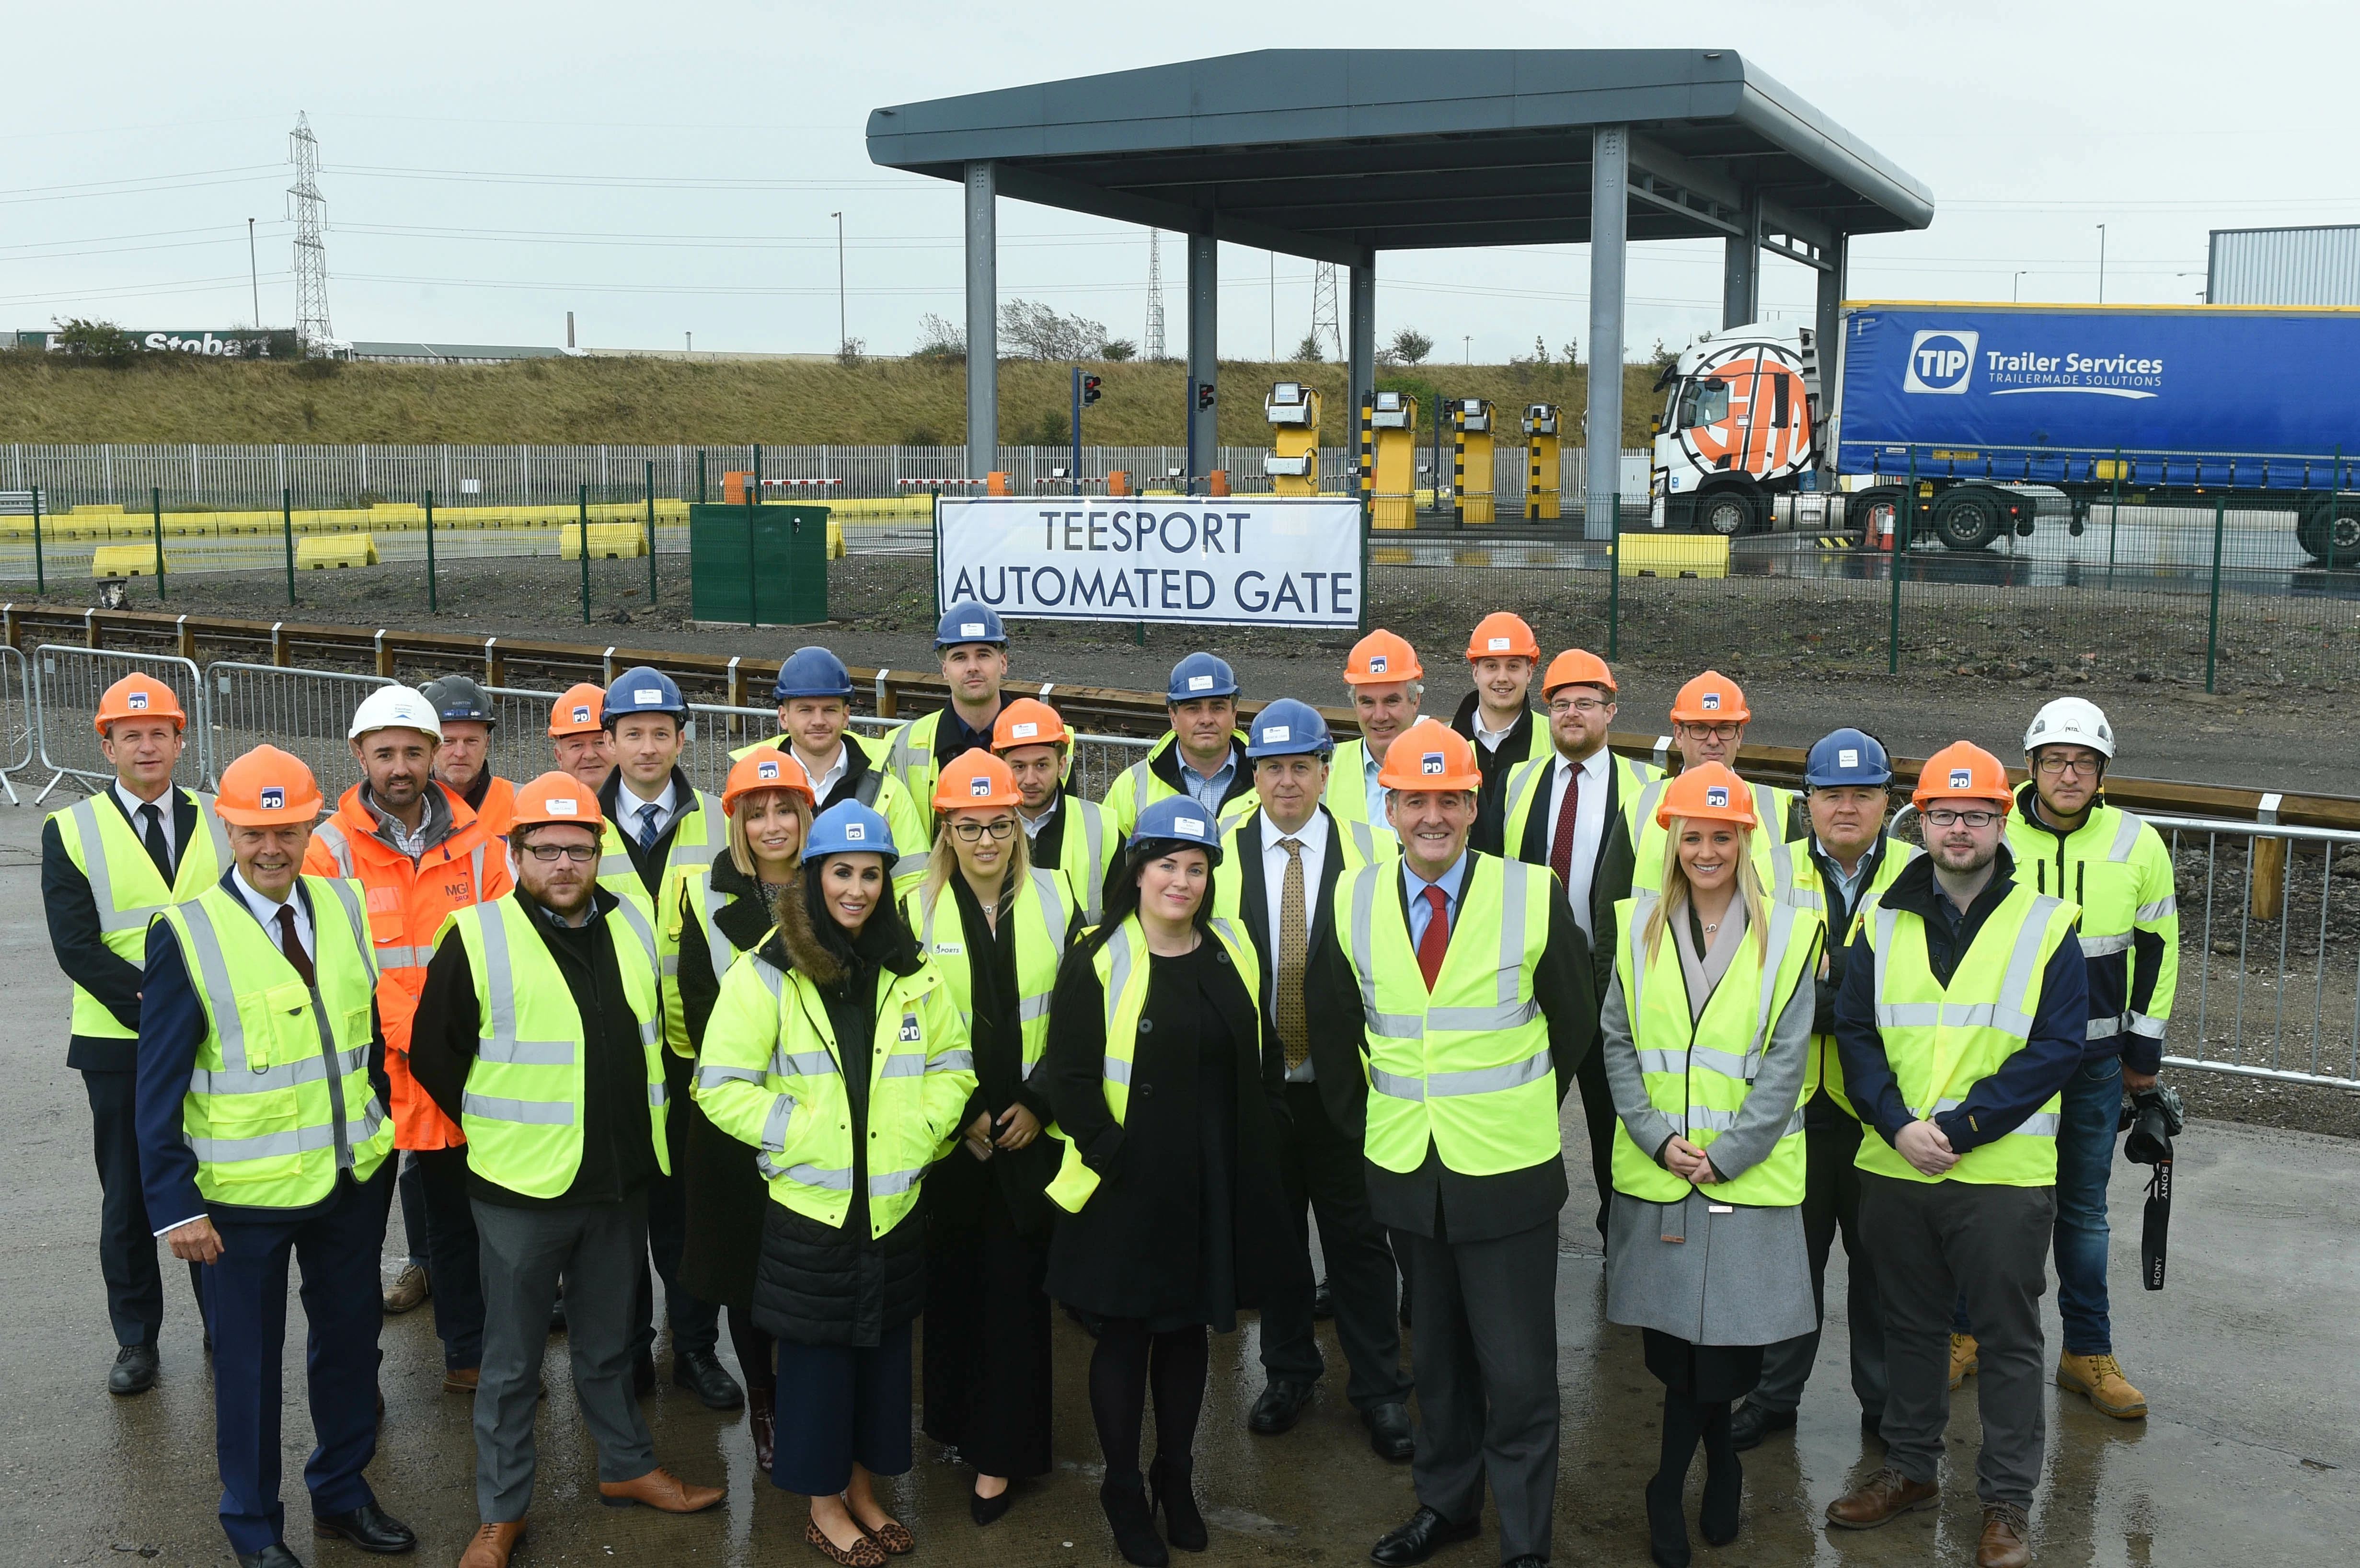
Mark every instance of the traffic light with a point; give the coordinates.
(1091, 390)
(1204, 395)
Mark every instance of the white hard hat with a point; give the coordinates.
(2070, 721)
(395, 708)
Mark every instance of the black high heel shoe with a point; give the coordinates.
(1668, 1532)
(984, 1509)
(1132, 1518)
(1169, 1488)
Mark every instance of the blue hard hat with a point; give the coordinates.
(1201, 674)
(968, 621)
(644, 690)
(1847, 757)
(1288, 729)
(812, 672)
(1177, 816)
(848, 828)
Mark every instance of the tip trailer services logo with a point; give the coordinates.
(1941, 360)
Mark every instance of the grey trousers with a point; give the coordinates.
(1831, 1201)
(1485, 1361)
(598, 1248)
(1932, 1242)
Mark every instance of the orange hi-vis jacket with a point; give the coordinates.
(408, 901)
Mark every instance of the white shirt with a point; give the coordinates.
(1371, 791)
(163, 805)
(1589, 826)
(627, 803)
(1313, 836)
(1033, 825)
(822, 783)
(1490, 738)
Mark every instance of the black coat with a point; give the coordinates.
(1131, 1253)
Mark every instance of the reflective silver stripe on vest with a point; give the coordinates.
(640, 928)
(349, 896)
(1507, 1014)
(658, 1094)
(716, 947)
(903, 1064)
(1093, 893)
(1782, 875)
(1118, 1071)
(834, 1180)
(1474, 1080)
(1645, 811)
(530, 1112)
(774, 1127)
(2125, 840)
(212, 974)
(2039, 1125)
(402, 957)
(893, 1183)
(276, 1145)
(617, 865)
(2007, 1014)
(286, 1075)
(1142, 778)
(710, 1075)
(2145, 1025)
(2103, 1028)
(949, 1061)
(802, 1064)
(476, 869)
(339, 850)
(2104, 946)
(1030, 1009)
(2162, 908)
(501, 1044)
(101, 875)
(1774, 960)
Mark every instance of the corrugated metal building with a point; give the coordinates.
(2284, 267)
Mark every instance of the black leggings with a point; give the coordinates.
(1127, 1362)
(756, 1350)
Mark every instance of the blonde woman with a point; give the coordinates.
(997, 929)
(1705, 1032)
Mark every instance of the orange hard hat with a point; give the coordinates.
(1430, 755)
(558, 800)
(1709, 792)
(1961, 770)
(268, 788)
(1502, 635)
(579, 712)
(1708, 699)
(1027, 721)
(1577, 667)
(1380, 657)
(765, 767)
(139, 697)
(975, 777)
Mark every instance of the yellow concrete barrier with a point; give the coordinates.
(123, 561)
(608, 542)
(1672, 555)
(319, 552)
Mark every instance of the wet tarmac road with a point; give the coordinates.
(2251, 1358)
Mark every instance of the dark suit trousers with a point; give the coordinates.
(126, 1240)
(1598, 1116)
(1320, 1172)
(1831, 1200)
(1485, 1355)
(695, 1325)
(453, 1253)
(336, 1245)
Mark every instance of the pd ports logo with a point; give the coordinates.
(1941, 361)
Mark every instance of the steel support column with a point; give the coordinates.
(1204, 354)
(982, 319)
(1829, 346)
(1610, 179)
(1361, 340)
(1740, 265)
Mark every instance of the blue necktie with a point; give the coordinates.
(648, 815)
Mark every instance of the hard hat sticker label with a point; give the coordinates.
(766, 769)
(274, 798)
(1961, 778)
(1189, 825)
(581, 713)
(979, 786)
(855, 832)
(1376, 664)
(1200, 683)
(1431, 763)
(1276, 732)
(1023, 732)
(559, 806)
(1848, 758)
(135, 701)
(1712, 702)
(1496, 645)
(970, 629)
(646, 697)
(1716, 796)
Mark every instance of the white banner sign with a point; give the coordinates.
(1253, 561)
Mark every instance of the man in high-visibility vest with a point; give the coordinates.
(814, 691)
(1497, 716)
(418, 852)
(1202, 756)
(1284, 858)
(1571, 809)
(1963, 1011)
(655, 820)
(1070, 836)
(1446, 1033)
(108, 864)
(1709, 721)
(577, 735)
(973, 647)
(463, 760)
(262, 1139)
(540, 1032)
(1847, 780)
(1387, 684)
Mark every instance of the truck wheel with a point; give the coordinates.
(1967, 520)
(1727, 512)
(2332, 537)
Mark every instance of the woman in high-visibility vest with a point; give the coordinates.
(835, 1051)
(1705, 1032)
(716, 911)
(997, 929)
(1170, 1179)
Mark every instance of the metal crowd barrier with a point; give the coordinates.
(306, 712)
(15, 718)
(66, 687)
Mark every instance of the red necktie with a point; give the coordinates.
(1561, 841)
(292, 944)
(1436, 938)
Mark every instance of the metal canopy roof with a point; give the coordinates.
(1334, 154)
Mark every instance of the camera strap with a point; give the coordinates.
(2155, 1230)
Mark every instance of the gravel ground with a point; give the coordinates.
(2265, 1103)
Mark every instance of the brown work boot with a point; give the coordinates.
(1963, 1358)
(1885, 1496)
(659, 1488)
(491, 1546)
(2004, 1544)
(408, 1288)
(461, 1379)
(2100, 1378)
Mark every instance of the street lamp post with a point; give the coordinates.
(2015, 287)
(843, 331)
(2101, 264)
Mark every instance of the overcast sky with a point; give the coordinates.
(662, 170)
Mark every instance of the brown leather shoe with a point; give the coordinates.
(491, 1546)
(2004, 1544)
(461, 1379)
(1885, 1496)
(407, 1290)
(659, 1488)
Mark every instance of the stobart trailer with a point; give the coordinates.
(1993, 408)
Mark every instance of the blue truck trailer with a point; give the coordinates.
(1992, 411)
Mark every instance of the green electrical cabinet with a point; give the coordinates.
(759, 565)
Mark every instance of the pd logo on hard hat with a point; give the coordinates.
(855, 832)
(135, 701)
(979, 786)
(1712, 702)
(1273, 734)
(1716, 796)
(1023, 732)
(563, 806)
(1431, 763)
(581, 713)
(766, 769)
(1963, 778)
(274, 797)
(1377, 663)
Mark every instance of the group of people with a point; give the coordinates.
(905, 1029)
